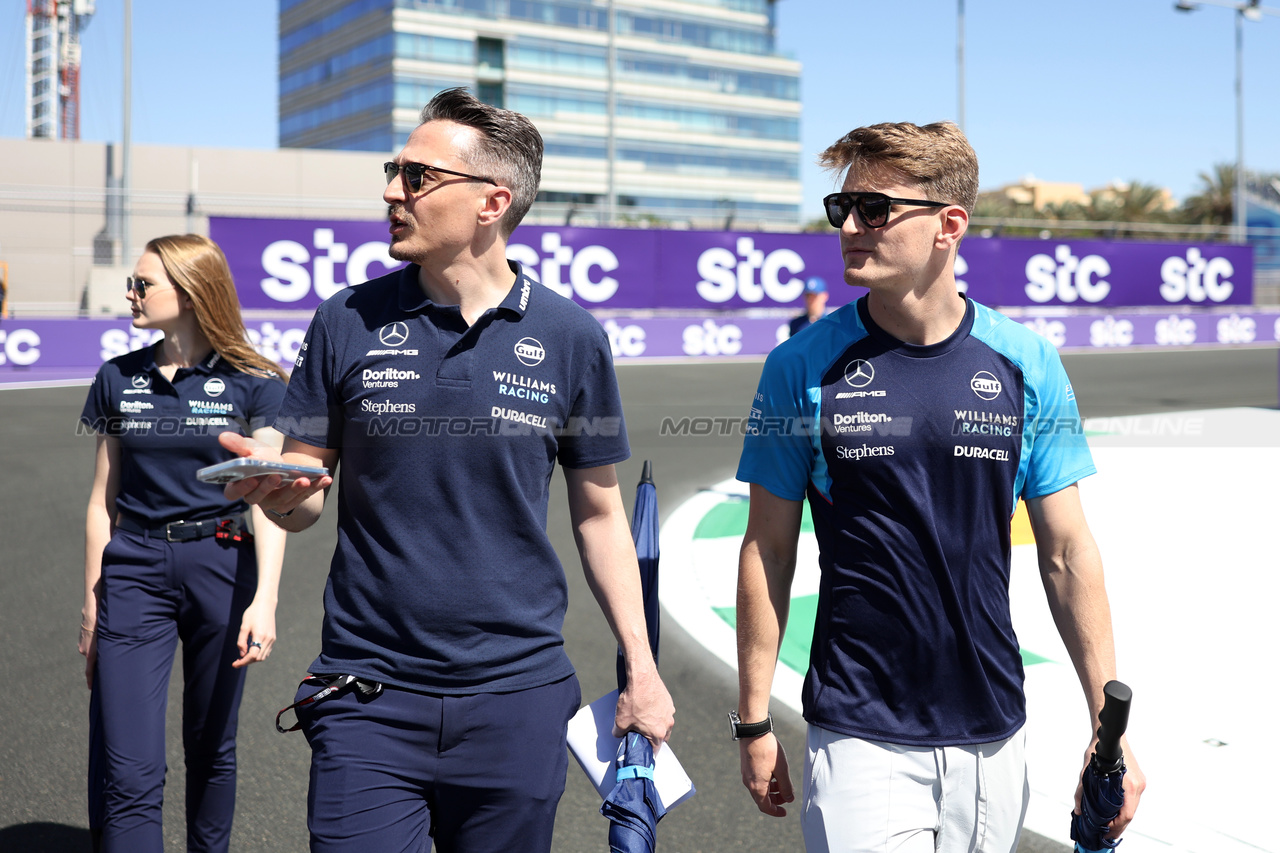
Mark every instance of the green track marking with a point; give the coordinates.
(730, 519)
(796, 641)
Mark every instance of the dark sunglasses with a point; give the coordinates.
(873, 208)
(414, 172)
(139, 286)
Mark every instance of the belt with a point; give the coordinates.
(228, 527)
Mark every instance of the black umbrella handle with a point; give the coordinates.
(646, 474)
(1113, 720)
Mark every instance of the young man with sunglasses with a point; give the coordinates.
(448, 392)
(913, 420)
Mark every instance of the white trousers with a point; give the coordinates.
(871, 797)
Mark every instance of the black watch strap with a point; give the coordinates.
(739, 730)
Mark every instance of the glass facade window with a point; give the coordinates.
(683, 159)
(412, 93)
(697, 120)
(562, 57)
(659, 68)
(334, 21)
(338, 65)
(545, 102)
(435, 49)
(367, 97)
(578, 14)
(714, 36)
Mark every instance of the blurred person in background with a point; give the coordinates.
(815, 305)
(170, 558)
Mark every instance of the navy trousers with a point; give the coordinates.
(473, 774)
(153, 594)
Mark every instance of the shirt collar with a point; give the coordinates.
(205, 365)
(411, 298)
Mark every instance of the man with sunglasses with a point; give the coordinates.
(448, 391)
(913, 420)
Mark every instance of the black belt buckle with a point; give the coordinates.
(170, 528)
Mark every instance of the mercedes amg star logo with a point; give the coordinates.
(859, 373)
(393, 334)
(140, 380)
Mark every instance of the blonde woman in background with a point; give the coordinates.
(169, 558)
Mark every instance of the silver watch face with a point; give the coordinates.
(734, 720)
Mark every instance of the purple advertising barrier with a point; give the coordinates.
(296, 264)
(1097, 273)
(74, 348)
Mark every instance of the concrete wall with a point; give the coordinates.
(54, 204)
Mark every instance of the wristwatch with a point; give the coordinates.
(739, 730)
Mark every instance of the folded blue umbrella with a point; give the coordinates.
(1103, 779)
(644, 532)
(633, 807)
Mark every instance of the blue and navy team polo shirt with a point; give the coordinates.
(913, 459)
(444, 579)
(169, 430)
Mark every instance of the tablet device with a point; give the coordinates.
(238, 469)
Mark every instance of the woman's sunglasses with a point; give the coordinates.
(414, 172)
(873, 208)
(133, 284)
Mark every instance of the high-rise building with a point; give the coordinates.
(700, 112)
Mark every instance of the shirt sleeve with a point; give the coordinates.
(777, 450)
(310, 411)
(595, 433)
(1059, 452)
(98, 413)
(268, 393)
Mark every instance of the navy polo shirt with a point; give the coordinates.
(444, 579)
(913, 459)
(169, 430)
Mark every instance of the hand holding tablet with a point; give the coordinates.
(238, 469)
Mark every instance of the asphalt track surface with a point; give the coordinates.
(43, 702)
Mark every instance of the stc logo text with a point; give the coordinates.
(333, 266)
(1064, 277)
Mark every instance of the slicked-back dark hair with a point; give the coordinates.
(507, 147)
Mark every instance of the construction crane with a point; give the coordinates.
(53, 66)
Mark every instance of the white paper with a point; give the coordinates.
(592, 743)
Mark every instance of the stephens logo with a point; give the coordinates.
(859, 373)
(214, 387)
(985, 385)
(530, 352)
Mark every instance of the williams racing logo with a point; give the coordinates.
(393, 336)
(859, 373)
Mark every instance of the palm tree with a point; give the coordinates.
(1214, 204)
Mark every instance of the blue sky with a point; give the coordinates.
(1087, 91)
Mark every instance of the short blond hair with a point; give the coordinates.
(937, 157)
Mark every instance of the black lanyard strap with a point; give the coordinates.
(330, 686)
